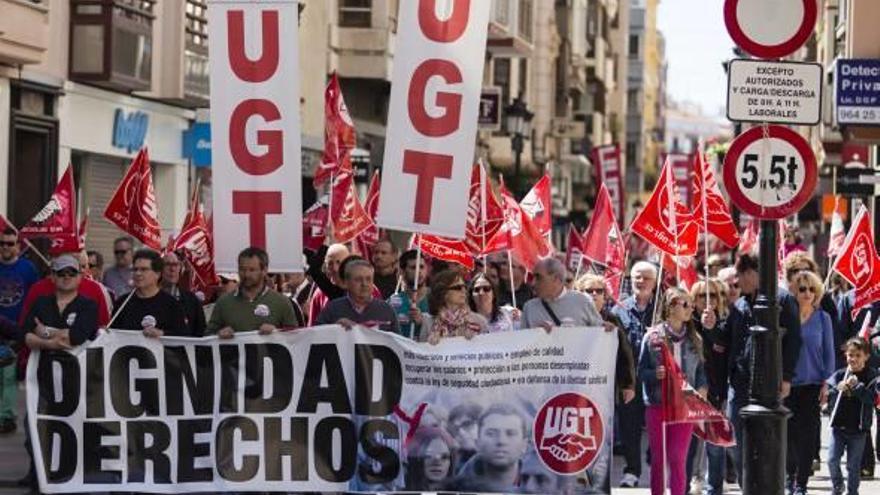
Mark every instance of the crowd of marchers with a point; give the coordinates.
(828, 366)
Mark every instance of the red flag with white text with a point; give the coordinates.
(451, 250)
(538, 206)
(682, 404)
(859, 263)
(485, 214)
(67, 243)
(133, 207)
(575, 252)
(665, 222)
(710, 205)
(370, 236)
(197, 246)
(603, 241)
(315, 225)
(519, 234)
(346, 212)
(58, 217)
(339, 135)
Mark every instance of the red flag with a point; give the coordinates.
(68, 243)
(519, 234)
(837, 234)
(603, 241)
(859, 263)
(451, 250)
(683, 268)
(749, 243)
(348, 216)
(714, 213)
(682, 404)
(369, 237)
(197, 246)
(339, 135)
(665, 222)
(133, 207)
(575, 251)
(538, 206)
(485, 214)
(315, 226)
(58, 217)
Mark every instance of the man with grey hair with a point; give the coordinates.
(636, 314)
(556, 306)
(358, 306)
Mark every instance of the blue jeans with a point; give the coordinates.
(735, 401)
(715, 476)
(854, 443)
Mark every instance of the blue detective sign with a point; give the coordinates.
(857, 92)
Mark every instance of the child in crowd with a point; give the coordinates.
(852, 392)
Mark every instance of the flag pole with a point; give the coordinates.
(412, 324)
(577, 271)
(837, 400)
(625, 261)
(329, 227)
(121, 307)
(663, 467)
(483, 186)
(703, 197)
(29, 244)
(510, 269)
(658, 289)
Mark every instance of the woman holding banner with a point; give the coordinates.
(450, 315)
(670, 441)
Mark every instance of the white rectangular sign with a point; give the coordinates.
(774, 92)
(256, 131)
(432, 118)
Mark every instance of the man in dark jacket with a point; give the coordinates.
(191, 305)
(735, 335)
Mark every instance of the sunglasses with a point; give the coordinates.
(482, 289)
(734, 286)
(93, 265)
(595, 291)
(456, 287)
(120, 252)
(683, 304)
(802, 289)
(8, 243)
(66, 273)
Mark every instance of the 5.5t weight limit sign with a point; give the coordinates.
(770, 172)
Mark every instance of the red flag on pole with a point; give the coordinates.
(348, 216)
(370, 236)
(859, 263)
(133, 207)
(197, 245)
(575, 251)
(451, 250)
(315, 225)
(67, 243)
(519, 234)
(682, 404)
(58, 217)
(602, 241)
(339, 135)
(711, 206)
(485, 214)
(665, 222)
(538, 206)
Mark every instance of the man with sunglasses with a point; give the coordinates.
(96, 264)
(60, 320)
(17, 275)
(118, 278)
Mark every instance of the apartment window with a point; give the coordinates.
(195, 57)
(523, 76)
(633, 46)
(501, 14)
(501, 78)
(525, 19)
(632, 101)
(111, 42)
(355, 13)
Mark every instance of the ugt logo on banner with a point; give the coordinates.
(568, 433)
(255, 119)
(432, 118)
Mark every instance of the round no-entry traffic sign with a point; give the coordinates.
(770, 178)
(770, 28)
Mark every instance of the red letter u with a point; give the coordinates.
(243, 67)
(444, 31)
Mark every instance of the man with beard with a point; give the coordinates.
(17, 275)
(192, 307)
(254, 306)
(636, 313)
(148, 308)
(501, 443)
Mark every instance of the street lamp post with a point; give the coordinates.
(519, 120)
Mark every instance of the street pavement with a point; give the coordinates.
(14, 463)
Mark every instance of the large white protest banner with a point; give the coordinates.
(257, 196)
(432, 116)
(326, 410)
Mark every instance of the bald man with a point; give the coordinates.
(324, 270)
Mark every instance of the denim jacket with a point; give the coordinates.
(649, 359)
(863, 392)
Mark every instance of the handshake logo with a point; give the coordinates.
(568, 433)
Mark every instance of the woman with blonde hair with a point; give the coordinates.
(709, 322)
(677, 333)
(816, 362)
